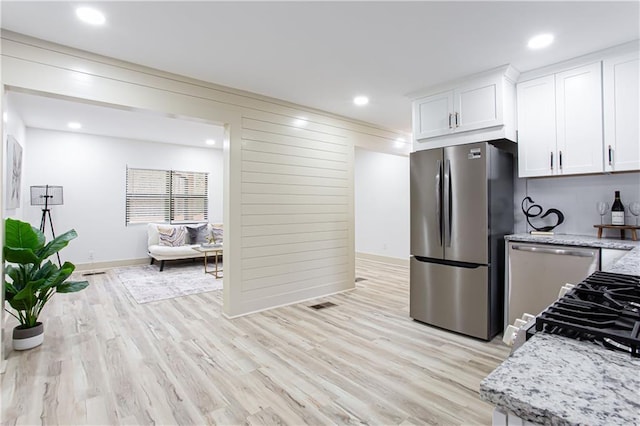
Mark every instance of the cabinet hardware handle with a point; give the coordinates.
(457, 123)
(552, 161)
(450, 126)
(610, 156)
(560, 159)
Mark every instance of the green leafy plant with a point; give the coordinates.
(32, 281)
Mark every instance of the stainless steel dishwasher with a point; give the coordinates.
(536, 272)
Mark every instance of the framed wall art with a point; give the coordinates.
(14, 173)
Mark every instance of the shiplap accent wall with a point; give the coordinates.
(288, 193)
(296, 210)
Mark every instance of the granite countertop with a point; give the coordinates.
(557, 380)
(628, 264)
(561, 381)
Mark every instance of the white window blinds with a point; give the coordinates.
(166, 196)
(189, 196)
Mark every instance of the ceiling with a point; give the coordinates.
(322, 54)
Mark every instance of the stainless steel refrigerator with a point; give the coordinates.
(461, 208)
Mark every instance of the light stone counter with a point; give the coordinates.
(561, 381)
(629, 264)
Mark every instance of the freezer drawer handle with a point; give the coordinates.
(561, 252)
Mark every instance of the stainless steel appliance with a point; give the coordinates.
(461, 208)
(538, 271)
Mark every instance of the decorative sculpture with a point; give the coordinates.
(529, 214)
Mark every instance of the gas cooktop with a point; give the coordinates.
(603, 309)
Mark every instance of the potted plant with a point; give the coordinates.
(31, 280)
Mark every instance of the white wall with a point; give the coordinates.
(382, 204)
(92, 171)
(576, 197)
(13, 127)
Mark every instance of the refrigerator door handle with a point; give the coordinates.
(447, 203)
(439, 199)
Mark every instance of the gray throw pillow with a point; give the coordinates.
(198, 234)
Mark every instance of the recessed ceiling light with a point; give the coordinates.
(540, 41)
(210, 142)
(360, 100)
(74, 125)
(90, 15)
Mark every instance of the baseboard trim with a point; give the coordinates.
(382, 259)
(111, 264)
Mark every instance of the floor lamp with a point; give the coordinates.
(47, 195)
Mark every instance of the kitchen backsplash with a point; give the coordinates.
(576, 198)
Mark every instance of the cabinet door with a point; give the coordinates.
(433, 115)
(621, 111)
(478, 105)
(579, 120)
(537, 127)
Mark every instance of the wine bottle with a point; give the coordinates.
(617, 211)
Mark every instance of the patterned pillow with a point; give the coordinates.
(216, 233)
(198, 234)
(172, 236)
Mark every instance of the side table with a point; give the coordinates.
(217, 253)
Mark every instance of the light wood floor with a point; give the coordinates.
(107, 360)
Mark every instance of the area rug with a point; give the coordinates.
(147, 284)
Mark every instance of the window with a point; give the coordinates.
(166, 196)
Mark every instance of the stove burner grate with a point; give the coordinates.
(604, 309)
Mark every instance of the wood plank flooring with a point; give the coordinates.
(107, 360)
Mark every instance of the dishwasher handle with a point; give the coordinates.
(562, 252)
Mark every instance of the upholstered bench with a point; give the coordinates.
(174, 242)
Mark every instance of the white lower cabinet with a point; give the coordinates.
(507, 418)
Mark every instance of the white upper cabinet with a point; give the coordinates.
(560, 123)
(433, 115)
(579, 120)
(621, 76)
(478, 105)
(581, 116)
(536, 126)
(479, 108)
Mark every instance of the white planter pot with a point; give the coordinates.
(27, 338)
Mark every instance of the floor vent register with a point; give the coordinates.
(86, 274)
(322, 305)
